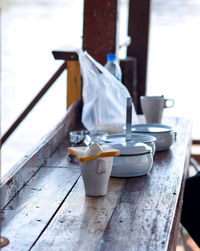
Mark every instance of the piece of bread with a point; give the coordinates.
(82, 155)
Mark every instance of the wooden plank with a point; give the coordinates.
(144, 215)
(59, 158)
(81, 220)
(138, 30)
(142, 219)
(65, 55)
(73, 82)
(17, 177)
(27, 215)
(175, 227)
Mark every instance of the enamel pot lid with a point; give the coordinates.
(151, 128)
(131, 148)
(135, 137)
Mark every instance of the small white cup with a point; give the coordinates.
(153, 106)
(96, 175)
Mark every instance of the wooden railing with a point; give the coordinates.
(73, 87)
(33, 103)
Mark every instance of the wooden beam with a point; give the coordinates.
(100, 28)
(65, 55)
(138, 30)
(74, 86)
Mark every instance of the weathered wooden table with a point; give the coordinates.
(51, 212)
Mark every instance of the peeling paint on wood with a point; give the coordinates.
(32, 208)
(81, 218)
(18, 176)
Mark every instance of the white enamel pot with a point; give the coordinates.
(135, 159)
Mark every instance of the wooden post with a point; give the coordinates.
(138, 30)
(74, 83)
(100, 28)
(129, 76)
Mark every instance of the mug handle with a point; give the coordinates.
(169, 103)
(101, 166)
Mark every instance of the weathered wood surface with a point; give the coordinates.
(176, 220)
(53, 213)
(144, 216)
(19, 175)
(100, 28)
(27, 215)
(82, 220)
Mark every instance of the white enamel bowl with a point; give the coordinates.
(164, 134)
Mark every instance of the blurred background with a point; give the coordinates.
(31, 29)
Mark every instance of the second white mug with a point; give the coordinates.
(153, 106)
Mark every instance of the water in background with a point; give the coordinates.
(174, 54)
(31, 29)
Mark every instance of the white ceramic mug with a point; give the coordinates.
(153, 106)
(96, 175)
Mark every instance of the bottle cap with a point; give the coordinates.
(111, 57)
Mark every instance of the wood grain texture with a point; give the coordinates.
(138, 30)
(81, 220)
(129, 77)
(20, 173)
(29, 212)
(144, 215)
(176, 220)
(73, 82)
(100, 28)
(52, 212)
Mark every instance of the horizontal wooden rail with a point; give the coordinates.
(33, 102)
(196, 142)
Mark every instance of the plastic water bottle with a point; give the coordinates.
(113, 66)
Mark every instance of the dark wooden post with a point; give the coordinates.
(100, 28)
(100, 37)
(138, 30)
(129, 76)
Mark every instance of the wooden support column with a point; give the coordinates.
(74, 83)
(138, 30)
(100, 28)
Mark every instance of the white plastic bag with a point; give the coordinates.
(104, 97)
